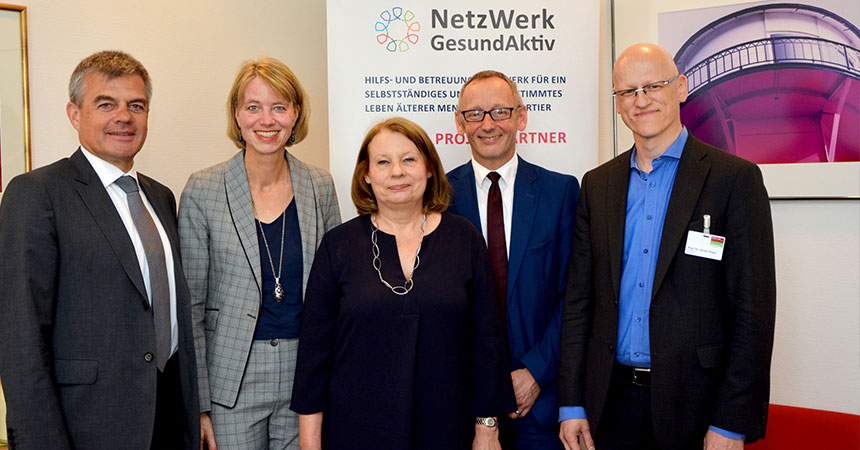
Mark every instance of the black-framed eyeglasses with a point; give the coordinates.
(477, 115)
(652, 87)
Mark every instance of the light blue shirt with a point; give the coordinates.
(648, 197)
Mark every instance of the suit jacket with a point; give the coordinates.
(222, 256)
(711, 322)
(541, 230)
(75, 324)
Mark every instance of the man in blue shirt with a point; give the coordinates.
(667, 331)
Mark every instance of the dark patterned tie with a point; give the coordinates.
(496, 243)
(158, 283)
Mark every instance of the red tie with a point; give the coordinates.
(496, 242)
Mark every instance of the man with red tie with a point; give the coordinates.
(526, 213)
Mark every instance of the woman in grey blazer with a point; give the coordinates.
(249, 228)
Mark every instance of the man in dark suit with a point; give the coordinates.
(669, 312)
(96, 349)
(526, 213)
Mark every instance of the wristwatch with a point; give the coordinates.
(487, 421)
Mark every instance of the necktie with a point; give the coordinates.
(496, 243)
(158, 283)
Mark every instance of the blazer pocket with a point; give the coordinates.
(211, 320)
(76, 371)
(710, 356)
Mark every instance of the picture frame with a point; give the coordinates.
(15, 155)
(3, 437)
(14, 112)
(639, 21)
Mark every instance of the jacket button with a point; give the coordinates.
(147, 357)
(611, 348)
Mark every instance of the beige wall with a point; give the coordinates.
(192, 50)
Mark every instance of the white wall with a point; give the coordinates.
(816, 362)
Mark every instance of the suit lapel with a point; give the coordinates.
(462, 181)
(526, 196)
(242, 212)
(306, 210)
(101, 207)
(616, 206)
(691, 176)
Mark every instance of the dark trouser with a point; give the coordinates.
(526, 433)
(169, 432)
(626, 420)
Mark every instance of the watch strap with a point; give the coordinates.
(487, 421)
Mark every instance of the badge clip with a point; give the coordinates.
(707, 219)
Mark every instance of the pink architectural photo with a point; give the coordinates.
(775, 83)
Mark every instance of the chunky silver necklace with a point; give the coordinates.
(278, 293)
(377, 263)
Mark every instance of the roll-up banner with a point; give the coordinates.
(411, 58)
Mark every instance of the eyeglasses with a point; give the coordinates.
(653, 87)
(477, 115)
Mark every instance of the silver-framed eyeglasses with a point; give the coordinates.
(652, 87)
(477, 115)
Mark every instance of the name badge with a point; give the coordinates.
(705, 245)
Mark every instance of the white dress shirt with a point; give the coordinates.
(108, 173)
(508, 174)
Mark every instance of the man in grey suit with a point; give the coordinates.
(96, 349)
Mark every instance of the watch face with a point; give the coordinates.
(486, 421)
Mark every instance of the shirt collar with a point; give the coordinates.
(507, 172)
(674, 150)
(107, 172)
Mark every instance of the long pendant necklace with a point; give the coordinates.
(278, 293)
(377, 263)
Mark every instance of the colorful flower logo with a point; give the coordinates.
(402, 25)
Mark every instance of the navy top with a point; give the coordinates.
(420, 366)
(281, 320)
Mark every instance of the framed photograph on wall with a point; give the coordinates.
(14, 112)
(774, 83)
(14, 94)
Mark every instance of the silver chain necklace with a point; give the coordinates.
(377, 263)
(278, 294)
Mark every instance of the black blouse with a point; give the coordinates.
(401, 372)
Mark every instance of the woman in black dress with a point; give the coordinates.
(400, 344)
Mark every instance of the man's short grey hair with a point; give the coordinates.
(110, 63)
(485, 74)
